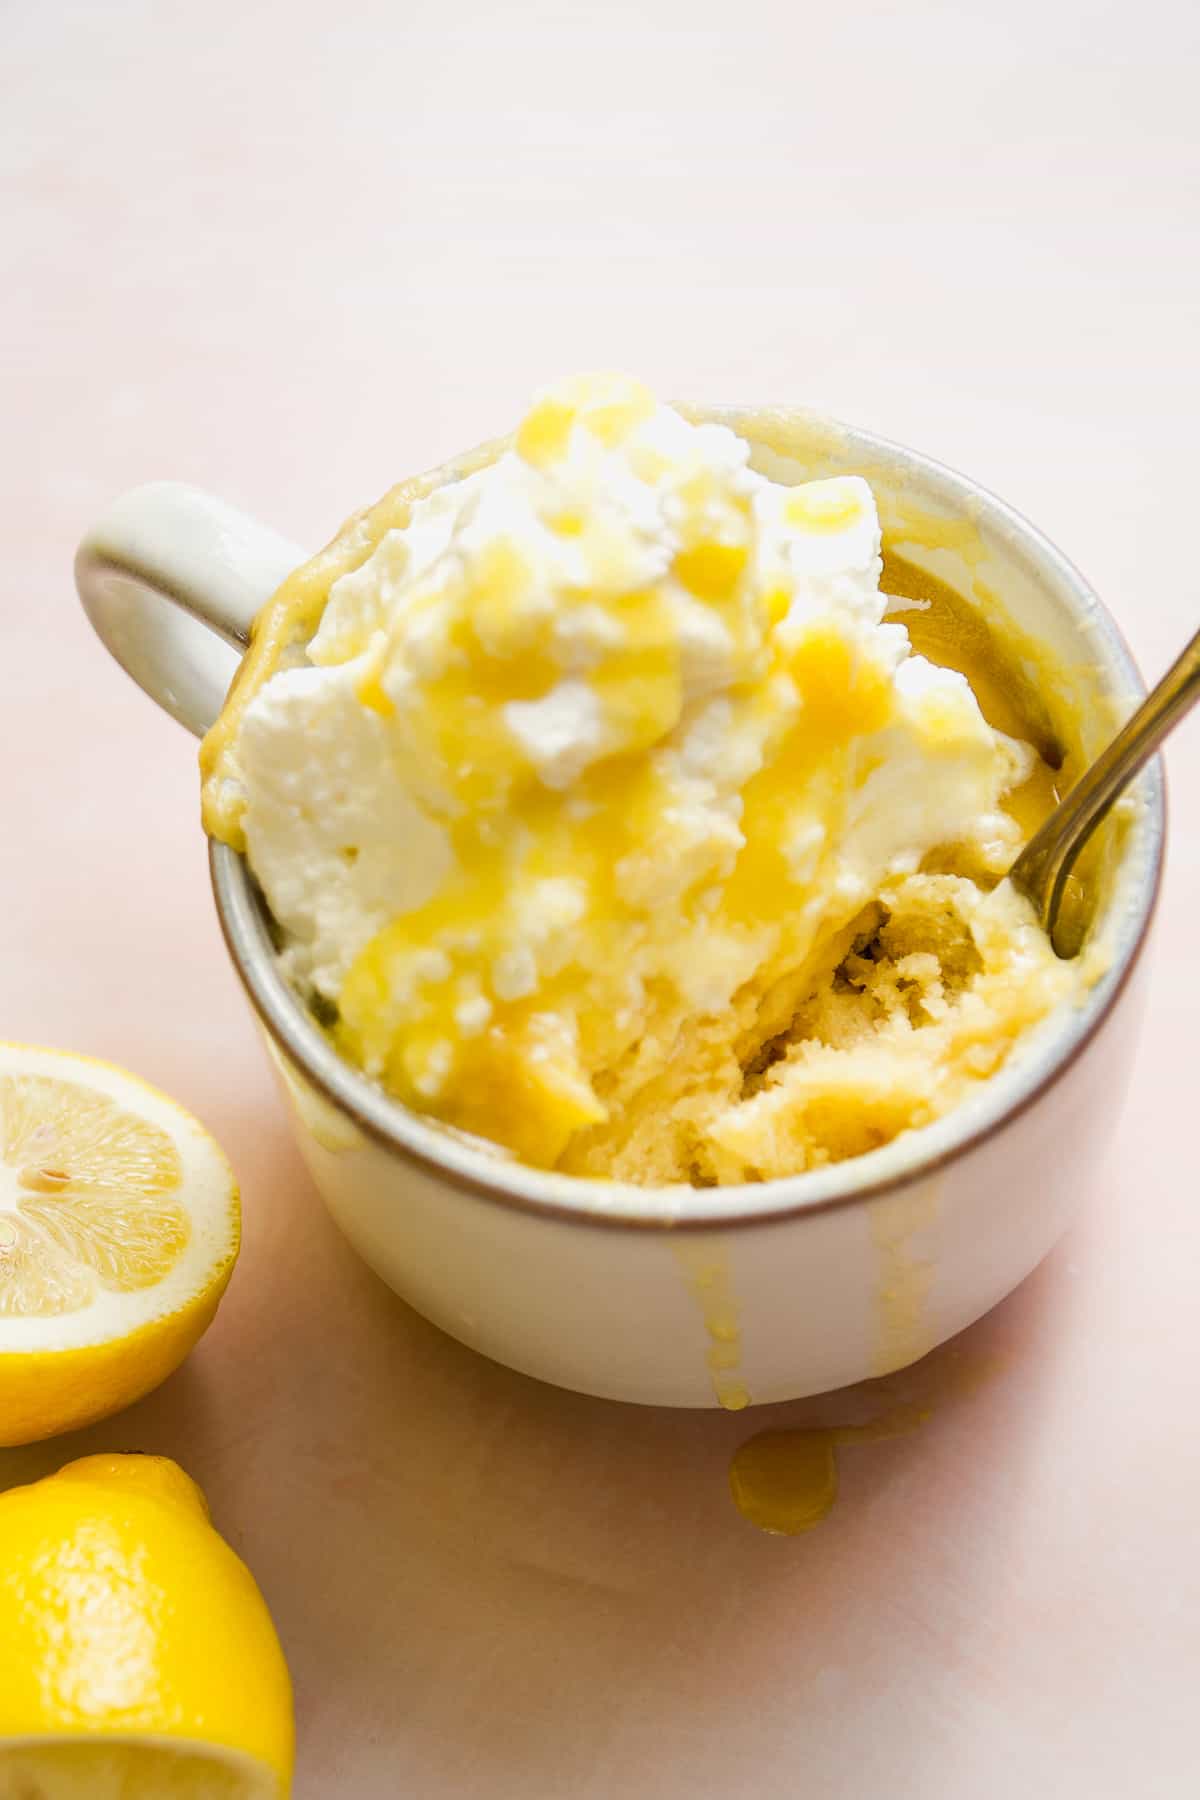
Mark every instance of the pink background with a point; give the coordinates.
(292, 252)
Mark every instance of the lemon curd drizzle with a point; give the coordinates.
(438, 1004)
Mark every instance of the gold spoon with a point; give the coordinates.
(1041, 870)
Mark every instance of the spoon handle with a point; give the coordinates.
(1041, 870)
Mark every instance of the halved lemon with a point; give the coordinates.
(139, 1658)
(119, 1229)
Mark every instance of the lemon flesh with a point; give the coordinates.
(95, 1770)
(119, 1228)
(139, 1657)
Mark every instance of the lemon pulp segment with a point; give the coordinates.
(119, 1227)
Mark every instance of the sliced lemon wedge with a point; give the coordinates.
(119, 1228)
(140, 1661)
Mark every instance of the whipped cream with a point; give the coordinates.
(607, 731)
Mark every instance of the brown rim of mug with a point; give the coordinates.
(243, 924)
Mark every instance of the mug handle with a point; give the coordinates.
(172, 578)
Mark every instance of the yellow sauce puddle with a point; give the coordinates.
(785, 1482)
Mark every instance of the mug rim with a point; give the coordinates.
(490, 1173)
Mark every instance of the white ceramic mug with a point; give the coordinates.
(677, 1297)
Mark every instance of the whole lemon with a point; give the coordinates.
(139, 1659)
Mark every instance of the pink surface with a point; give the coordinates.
(291, 252)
